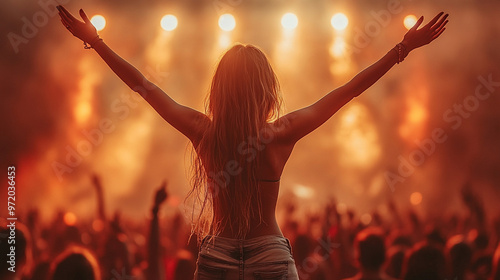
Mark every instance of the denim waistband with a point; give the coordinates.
(256, 241)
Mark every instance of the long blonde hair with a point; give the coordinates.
(244, 96)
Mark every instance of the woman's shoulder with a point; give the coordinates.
(275, 131)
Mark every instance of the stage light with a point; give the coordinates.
(339, 21)
(338, 47)
(410, 21)
(303, 192)
(97, 225)
(366, 219)
(140, 239)
(416, 198)
(168, 22)
(69, 219)
(86, 239)
(289, 21)
(227, 22)
(416, 115)
(358, 138)
(83, 111)
(224, 40)
(99, 22)
(341, 208)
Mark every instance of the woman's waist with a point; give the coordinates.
(257, 228)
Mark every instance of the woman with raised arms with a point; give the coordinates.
(242, 145)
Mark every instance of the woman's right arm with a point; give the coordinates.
(188, 121)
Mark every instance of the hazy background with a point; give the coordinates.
(54, 94)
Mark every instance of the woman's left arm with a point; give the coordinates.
(301, 122)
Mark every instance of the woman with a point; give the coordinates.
(242, 145)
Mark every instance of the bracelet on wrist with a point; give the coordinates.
(91, 43)
(401, 51)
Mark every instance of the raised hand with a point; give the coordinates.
(161, 195)
(416, 38)
(84, 31)
(96, 182)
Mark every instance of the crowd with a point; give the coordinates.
(328, 245)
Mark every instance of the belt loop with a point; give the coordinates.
(203, 241)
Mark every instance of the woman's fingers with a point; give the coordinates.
(67, 14)
(418, 23)
(65, 17)
(441, 25)
(67, 27)
(68, 21)
(84, 16)
(438, 30)
(438, 34)
(62, 12)
(65, 23)
(440, 22)
(434, 20)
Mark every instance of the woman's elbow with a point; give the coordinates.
(142, 86)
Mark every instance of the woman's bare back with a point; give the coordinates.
(273, 155)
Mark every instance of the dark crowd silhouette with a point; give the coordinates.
(330, 245)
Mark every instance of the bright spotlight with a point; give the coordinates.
(69, 219)
(227, 22)
(168, 22)
(99, 22)
(339, 21)
(224, 40)
(83, 111)
(303, 192)
(289, 21)
(416, 198)
(409, 21)
(366, 219)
